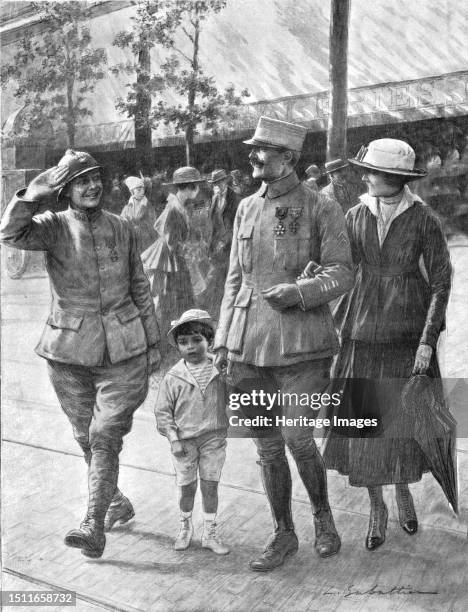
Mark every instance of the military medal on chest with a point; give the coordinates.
(111, 245)
(295, 213)
(281, 214)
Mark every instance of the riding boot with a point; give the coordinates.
(276, 479)
(314, 477)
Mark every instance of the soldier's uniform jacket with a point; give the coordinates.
(100, 294)
(262, 255)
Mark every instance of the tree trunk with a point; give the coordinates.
(143, 147)
(336, 135)
(70, 115)
(190, 128)
(188, 145)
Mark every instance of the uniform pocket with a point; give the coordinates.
(128, 313)
(65, 320)
(244, 244)
(235, 340)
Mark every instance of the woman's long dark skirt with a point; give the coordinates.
(371, 378)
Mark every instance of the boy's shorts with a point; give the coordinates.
(204, 454)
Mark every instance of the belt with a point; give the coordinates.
(390, 270)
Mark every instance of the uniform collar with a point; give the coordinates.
(406, 202)
(90, 215)
(279, 187)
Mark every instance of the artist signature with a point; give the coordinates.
(376, 590)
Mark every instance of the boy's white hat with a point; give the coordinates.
(194, 314)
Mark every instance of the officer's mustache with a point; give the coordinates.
(254, 161)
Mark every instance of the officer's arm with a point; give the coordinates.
(140, 290)
(231, 288)
(337, 275)
(21, 228)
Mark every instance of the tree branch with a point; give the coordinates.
(187, 34)
(182, 54)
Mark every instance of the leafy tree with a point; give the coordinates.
(54, 70)
(175, 26)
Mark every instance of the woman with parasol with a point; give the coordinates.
(390, 324)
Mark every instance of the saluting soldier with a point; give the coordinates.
(101, 337)
(276, 332)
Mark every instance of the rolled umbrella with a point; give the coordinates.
(434, 431)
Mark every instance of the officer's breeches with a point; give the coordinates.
(298, 380)
(99, 403)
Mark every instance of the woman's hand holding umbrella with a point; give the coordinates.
(423, 359)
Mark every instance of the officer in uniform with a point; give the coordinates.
(101, 337)
(276, 332)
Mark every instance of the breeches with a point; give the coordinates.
(100, 401)
(294, 383)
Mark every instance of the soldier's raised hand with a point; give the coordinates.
(46, 183)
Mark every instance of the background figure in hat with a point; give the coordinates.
(191, 413)
(164, 260)
(101, 333)
(313, 174)
(222, 214)
(340, 188)
(140, 212)
(277, 331)
(390, 323)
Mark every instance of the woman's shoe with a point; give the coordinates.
(377, 526)
(406, 512)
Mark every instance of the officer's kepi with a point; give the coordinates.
(278, 134)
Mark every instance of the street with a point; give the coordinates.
(44, 495)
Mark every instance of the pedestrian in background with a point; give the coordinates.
(101, 337)
(390, 323)
(139, 212)
(165, 260)
(222, 214)
(191, 413)
(339, 188)
(312, 176)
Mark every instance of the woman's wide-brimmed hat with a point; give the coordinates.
(187, 174)
(388, 155)
(190, 316)
(77, 163)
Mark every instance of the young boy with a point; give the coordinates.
(191, 412)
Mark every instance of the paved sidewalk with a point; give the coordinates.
(46, 493)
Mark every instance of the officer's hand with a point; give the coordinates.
(46, 183)
(221, 360)
(282, 296)
(177, 448)
(154, 359)
(423, 359)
